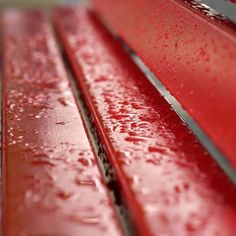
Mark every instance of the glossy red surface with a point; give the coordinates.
(52, 184)
(192, 54)
(171, 185)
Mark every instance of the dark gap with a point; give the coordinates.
(223, 11)
(194, 128)
(108, 173)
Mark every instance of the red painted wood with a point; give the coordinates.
(194, 57)
(52, 184)
(171, 185)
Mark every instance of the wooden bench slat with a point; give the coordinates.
(193, 55)
(52, 183)
(171, 185)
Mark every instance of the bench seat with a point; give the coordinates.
(166, 176)
(51, 181)
(85, 135)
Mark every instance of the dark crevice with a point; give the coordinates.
(108, 172)
(193, 126)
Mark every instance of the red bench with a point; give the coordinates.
(52, 184)
(191, 51)
(114, 159)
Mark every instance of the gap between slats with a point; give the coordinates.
(197, 131)
(108, 173)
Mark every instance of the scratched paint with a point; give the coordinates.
(53, 185)
(171, 184)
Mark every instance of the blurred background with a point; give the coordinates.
(226, 7)
(36, 3)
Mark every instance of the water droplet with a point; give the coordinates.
(64, 195)
(61, 123)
